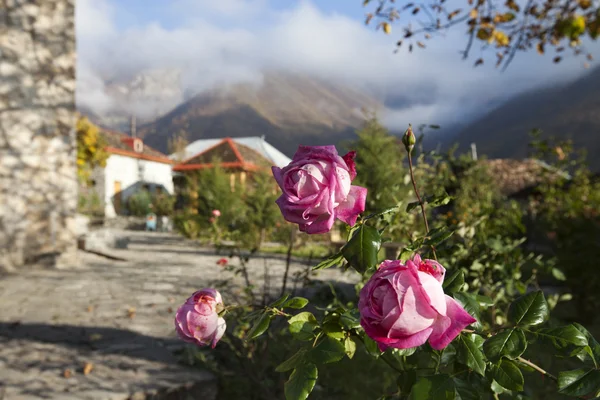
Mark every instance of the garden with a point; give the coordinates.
(488, 294)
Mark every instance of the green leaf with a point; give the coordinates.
(303, 317)
(296, 302)
(558, 274)
(293, 361)
(328, 351)
(371, 346)
(579, 382)
(470, 305)
(508, 375)
(260, 326)
(436, 237)
(330, 261)
(279, 301)
(593, 347)
(454, 281)
(510, 343)
(528, 310)
(565, 338)
(404, 352)
(436, 387)
(362, 249)
(350, 347)
(301, 382)
(469, 353)
(382, 213)
(334, 330)
(467, 390)
(302, 326)
(484, 301)
(432, 200)
(349, 321)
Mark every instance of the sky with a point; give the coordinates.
(231, 41)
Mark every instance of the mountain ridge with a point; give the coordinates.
(287, 109)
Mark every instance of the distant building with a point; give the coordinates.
(132, 166)
(256, 143)
(239, 156)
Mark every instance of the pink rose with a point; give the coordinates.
(317, 189)
(197, 321)
(403, 306)
(216, 213)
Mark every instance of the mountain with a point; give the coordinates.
(147, 95)
(288, 109)
(568, 111)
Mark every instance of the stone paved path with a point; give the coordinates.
(116, 316)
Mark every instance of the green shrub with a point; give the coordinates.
(138, 204)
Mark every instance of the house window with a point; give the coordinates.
(138, 145)
(232, 181)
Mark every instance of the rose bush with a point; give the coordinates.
(197, 320)
(317, 189)
(403, 305)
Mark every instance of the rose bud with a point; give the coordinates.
(198, 321)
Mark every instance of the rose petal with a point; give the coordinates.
(349, 210)
(407, 342)
(349, 160)
(447, 328)
(221, 327)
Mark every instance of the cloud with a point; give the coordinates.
(230, 41)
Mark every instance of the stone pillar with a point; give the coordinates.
(38, 180)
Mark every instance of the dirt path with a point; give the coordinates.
(116, 316)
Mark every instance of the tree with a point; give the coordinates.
(91, 151)
(508, 26)
(379, 164)
(177, 145)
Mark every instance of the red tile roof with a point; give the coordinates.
(230, 154)
(122, 144)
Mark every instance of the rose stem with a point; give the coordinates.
(421, 203)
(532, 365)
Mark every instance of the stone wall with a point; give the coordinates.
(38, 183)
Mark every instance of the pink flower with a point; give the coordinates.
(197, 321)
(317, 189)
(216, 213)
(403, 306)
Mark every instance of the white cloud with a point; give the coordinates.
(440, 86)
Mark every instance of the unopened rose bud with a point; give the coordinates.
(409, 139)
(216, 213)
(198, 321)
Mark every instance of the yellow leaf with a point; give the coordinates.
(473, 14)
(501, 39)
(387, 28)
(540, 48)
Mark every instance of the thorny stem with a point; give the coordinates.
(540, 370)
(421, 203)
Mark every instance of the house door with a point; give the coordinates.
(117, 197)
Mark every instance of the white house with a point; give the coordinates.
(132, 166)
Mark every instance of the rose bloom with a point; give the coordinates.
(197, 321)
(403, 306)
(216, 213)
(317, 189)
